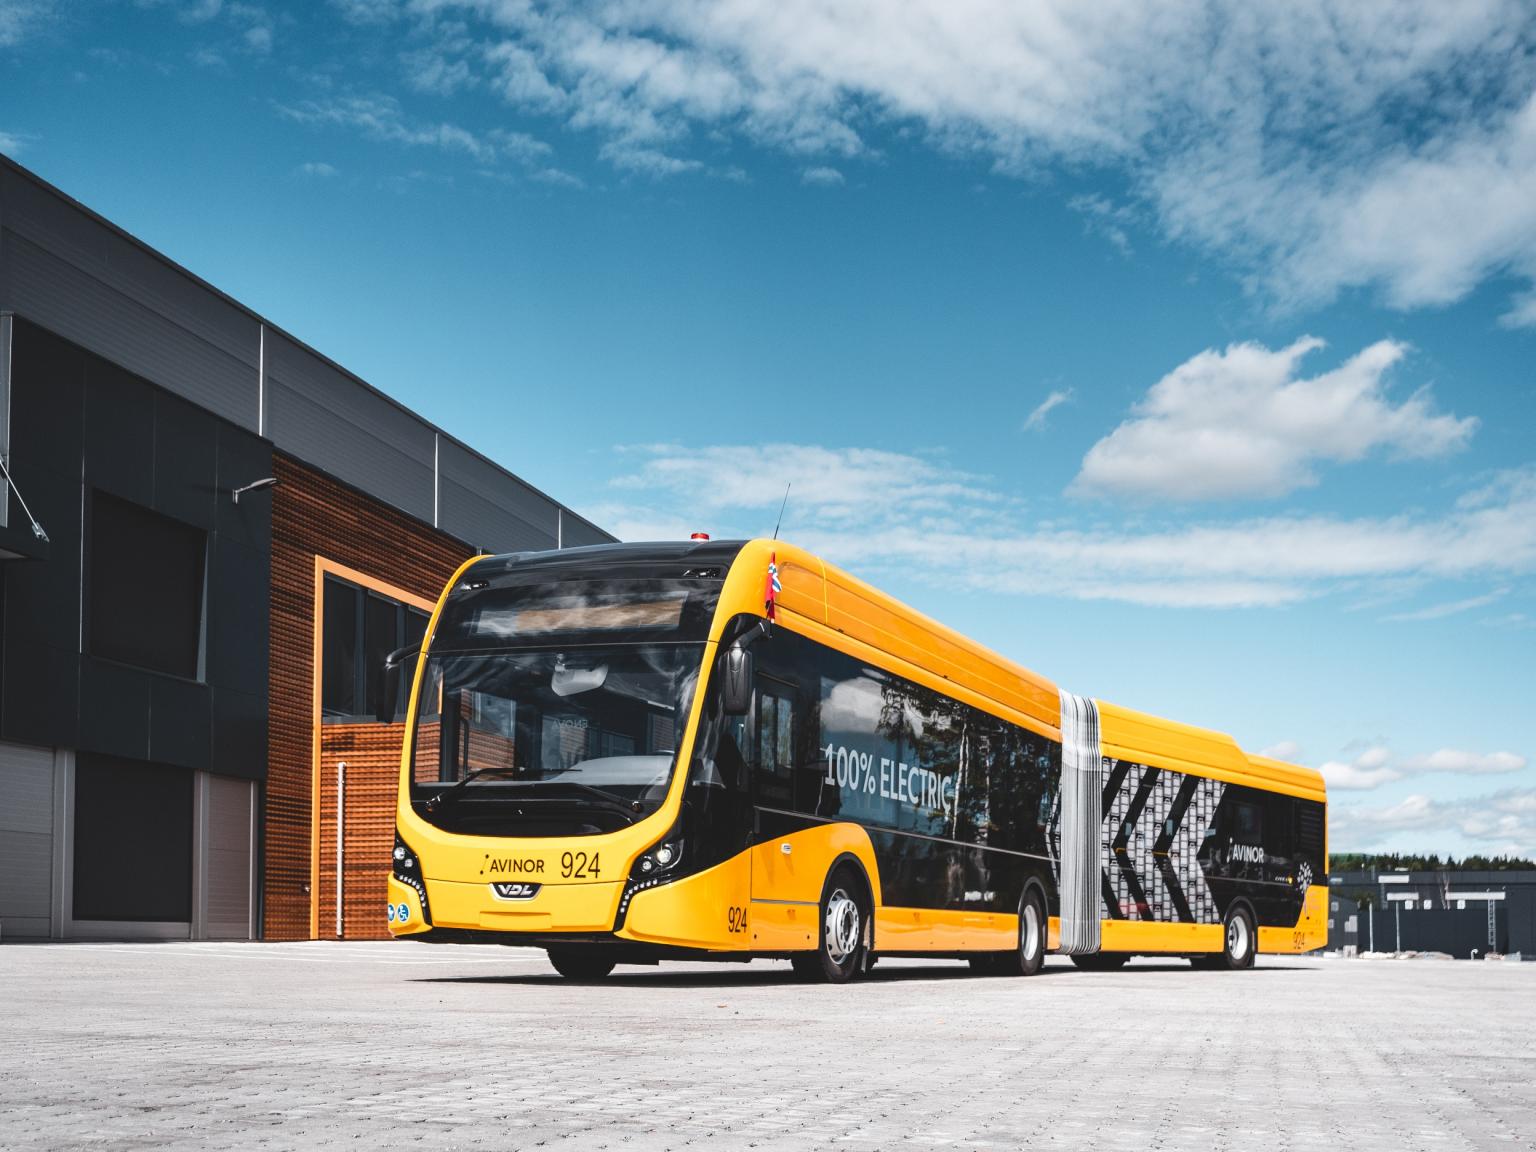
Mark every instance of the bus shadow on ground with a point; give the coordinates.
(731, 976)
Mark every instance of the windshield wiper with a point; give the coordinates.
(458, 785)
(592, 795)
(627, 809)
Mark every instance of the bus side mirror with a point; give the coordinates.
(737, 674)
(389, 692)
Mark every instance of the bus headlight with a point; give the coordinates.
(406, 868)
(662, 858)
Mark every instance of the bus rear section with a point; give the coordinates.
(1171, 840)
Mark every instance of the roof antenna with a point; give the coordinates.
(780, 520)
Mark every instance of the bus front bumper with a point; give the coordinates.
(554, 908)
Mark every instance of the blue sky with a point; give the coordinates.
(1185, 356)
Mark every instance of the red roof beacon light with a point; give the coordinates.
(699, 536)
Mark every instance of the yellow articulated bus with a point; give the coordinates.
(729, 750)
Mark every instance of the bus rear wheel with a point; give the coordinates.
(1238, 940)
(577, 964)
(846, 928)
(1029, 957)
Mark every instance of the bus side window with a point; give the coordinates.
(1250, 824)
(774, 744)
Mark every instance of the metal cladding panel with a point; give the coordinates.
(72, 274)
(26, 838)
(490, 509)
(576, 533)
(326, 418)
(230, 858)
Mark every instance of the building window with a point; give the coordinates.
(132, 841)
(146, 588)
(361, 628)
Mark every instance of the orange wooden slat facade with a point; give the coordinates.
(315, 516)
(371, 753)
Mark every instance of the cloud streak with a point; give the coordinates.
(875, 510)
(1036, 419)
(1504, 821)
(1376, 766)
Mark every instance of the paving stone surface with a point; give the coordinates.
(331, 1045)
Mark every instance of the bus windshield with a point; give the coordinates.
(577, 740)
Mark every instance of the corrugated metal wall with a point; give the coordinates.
(26, 839)
(71, 272)
(230, 858)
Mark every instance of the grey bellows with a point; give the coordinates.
(1082, 796)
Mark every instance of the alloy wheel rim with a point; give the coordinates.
(1237, 938)
(842, 926)
(1031, 940)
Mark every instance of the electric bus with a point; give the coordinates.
(732, 750)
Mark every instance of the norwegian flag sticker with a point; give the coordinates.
(772, 588)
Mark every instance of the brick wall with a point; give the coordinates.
(315, 515)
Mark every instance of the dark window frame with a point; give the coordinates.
(98, 499)
(404, 614)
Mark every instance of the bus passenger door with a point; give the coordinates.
(786, 876)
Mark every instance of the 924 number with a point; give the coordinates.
(735, 919)
(578, 866)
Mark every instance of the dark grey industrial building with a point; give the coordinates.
(157, 705)
(1462, 913)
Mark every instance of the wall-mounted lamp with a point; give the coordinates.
(253, 486)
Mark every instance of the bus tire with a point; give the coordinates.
(846, 927)
(579, 964)
(1101, 961)
(1029, 957)
(1239, 941)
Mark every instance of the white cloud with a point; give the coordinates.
(381, 118)
(1242, 422)
(318, 169)
(1284, 750)
(826, 177)
(558, 177)
(1463, 763)
(1036, 419)
(10, 143)
(1370, 769)
(1376, 766)
(1501, 822)
(1102, 217)
(831, 486)
(1454, 607)
(647, 161)
(1317, 146)
(869, 509)
(258, 39)
(19, 17)
(430, 71)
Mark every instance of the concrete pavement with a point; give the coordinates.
(400, 1044)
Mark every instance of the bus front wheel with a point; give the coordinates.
(846, 928)
(576, 964)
